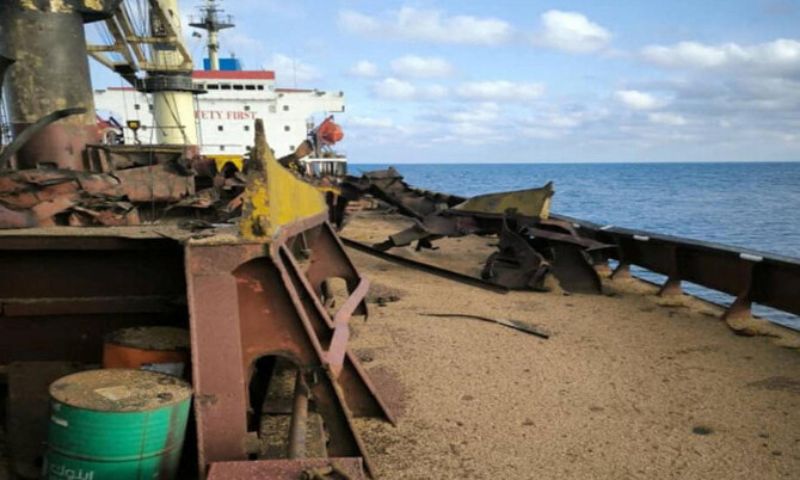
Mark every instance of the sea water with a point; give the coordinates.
(750, 205)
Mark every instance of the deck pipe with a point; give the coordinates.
(299, 422)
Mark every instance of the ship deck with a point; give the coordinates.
(630, 385)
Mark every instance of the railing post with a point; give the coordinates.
(673, 284)
(742, 306)
(623, 270)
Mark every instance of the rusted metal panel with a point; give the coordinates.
(77, 338)
(218, 375)
(59, 294)
(46, 306)
(158, 183)
(287, 469)
(68, 273)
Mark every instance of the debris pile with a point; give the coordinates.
(530, 245)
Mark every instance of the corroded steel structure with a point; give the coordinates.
(51, 73)
(245, 262)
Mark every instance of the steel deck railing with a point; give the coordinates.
(748, 275)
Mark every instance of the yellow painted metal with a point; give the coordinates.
(274, 196)
(174, 118)
(533, 202)
(173, 111)
(221, 161)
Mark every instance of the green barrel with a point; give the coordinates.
(116, 424)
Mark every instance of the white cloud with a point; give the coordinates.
(782, 55)
(358, 23)
(288, 69)
(434, 91)
(370, 122)
(423, 67)
(667, 118)
(477, 125)
(559, 121)
(429, 25)
(364, 68)
(500, 91)
(571, 32)
(637, 100)
(540, 133)
(484, 112)
(396, 89)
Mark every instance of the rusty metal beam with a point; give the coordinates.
(425, 267)
(248, 301)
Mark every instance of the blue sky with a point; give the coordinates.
(528, 81)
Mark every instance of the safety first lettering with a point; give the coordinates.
(224, 115)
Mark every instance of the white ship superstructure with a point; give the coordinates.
(225, 111)
(224, 115)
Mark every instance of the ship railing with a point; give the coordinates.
(750, 276)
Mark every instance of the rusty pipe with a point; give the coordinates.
(22, 138)
(299, 423)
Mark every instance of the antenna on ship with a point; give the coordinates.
(213, 21)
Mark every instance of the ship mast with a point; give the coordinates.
(213, 22)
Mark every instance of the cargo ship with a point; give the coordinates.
(162, 317)
(229, 98)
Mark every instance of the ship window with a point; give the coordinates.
(286, 108)
(260, 87)
(137, 107)
(220, 128)
(226, 86)
(287, 128)
(249, 87)
(150, 106)
(247, 108)
(212, 86)
(222, 147)
(238, 87)
(291, 148)
(247, 128)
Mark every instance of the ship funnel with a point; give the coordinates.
(51, 73)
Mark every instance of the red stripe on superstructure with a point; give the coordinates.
(234, 74)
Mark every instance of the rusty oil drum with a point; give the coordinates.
(116, 425)
(159, 349)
